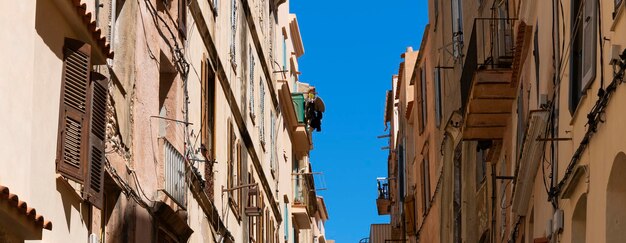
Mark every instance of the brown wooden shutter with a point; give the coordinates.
(182, 18)
(94, 185)
(409, 207)
(74, 115)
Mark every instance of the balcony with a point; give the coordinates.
(383, 202)
(304, 199)
(302, 138)
(490, 76)
(293, 106)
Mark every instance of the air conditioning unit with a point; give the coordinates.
(616, 50)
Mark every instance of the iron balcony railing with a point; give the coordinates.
(304, 190)
(491, 46)
(175, 185)
(383, 188)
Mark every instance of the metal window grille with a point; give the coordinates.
(251, 82)
(262, 111)
(175, 174)
(273, 165)
(233, 29)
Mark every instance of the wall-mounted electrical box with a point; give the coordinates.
(557, 221)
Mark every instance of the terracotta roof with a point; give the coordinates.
(96, 33)
(22, 207)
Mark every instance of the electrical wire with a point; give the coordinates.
(594, 118)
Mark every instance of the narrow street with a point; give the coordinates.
(279, 121)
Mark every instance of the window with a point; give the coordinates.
(262, 112)
(425, 184)
(182, 18)
(423, 100)
(273, 155)
(251, 94)
(436, 10)
(481, 165)
(536, 54)
(286, 220)
(208, 123)
(214, 5)
(174, 164)
(82, 121)
(457, 26)
(521, 121)
(271, 237)
(233, 31)
(583, 54)
(252, 203)
(284, 53)
(261, 8)
(271, 38)
(259, 220)
(438, 108)
(234, 170)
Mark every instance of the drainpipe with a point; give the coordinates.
(557, 58)
(493, 203)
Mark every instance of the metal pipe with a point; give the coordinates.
(239, 187)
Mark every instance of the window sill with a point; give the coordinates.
(617, 15)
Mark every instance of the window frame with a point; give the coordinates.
(251, 84)
(426, 189)
(438, 103)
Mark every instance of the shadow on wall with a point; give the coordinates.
(48, 27)
(615, 201)
(70, 199)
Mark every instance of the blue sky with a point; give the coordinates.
(352, 48)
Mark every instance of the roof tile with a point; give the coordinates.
(22, 207)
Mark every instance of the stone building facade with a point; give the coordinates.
(156, 121)
(516, 105)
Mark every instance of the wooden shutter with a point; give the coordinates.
(590, 28)
(182, 18)
(260, 229)
(94, 185)
(74, 115)
(409, 207)
(207, 109)
(437, 78)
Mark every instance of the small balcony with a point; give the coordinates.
(302, 136)
(293, 104)
(383, 202)
(490, 76)
(304, 199)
